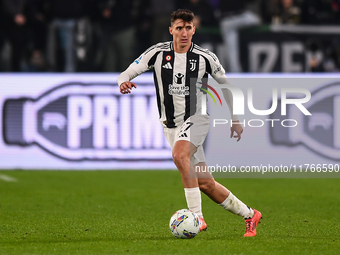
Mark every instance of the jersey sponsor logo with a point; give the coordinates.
(178, 90)
(167, 66)
(192, 64)
(168, 58)
(319, 132)
(178, 78)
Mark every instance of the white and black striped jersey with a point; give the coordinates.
(177, 78)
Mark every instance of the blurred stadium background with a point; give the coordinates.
(107, 35)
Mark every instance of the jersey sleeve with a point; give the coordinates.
(218, 73)
(140, 65)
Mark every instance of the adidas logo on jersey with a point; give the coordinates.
(167, 66)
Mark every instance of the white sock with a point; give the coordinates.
(234, 205)
(194, 202)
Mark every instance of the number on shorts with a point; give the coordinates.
(189, 125)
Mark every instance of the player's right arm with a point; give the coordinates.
(140, 65)
(126, 87)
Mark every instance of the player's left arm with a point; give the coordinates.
(236, 128)
(218, 73)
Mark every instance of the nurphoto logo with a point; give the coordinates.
(238, 103)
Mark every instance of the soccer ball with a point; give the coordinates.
(184, 224)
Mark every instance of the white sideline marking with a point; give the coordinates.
(7, 178)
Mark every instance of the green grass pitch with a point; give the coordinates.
(128, 212)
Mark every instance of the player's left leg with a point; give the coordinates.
(221, 195)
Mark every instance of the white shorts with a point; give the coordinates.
(193, 130)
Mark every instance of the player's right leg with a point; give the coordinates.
(181, 150)
(182, 153)
(184, 141)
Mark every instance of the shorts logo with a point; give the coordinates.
(168, 58)
(319, 132)
(183, 135)
(179, 78)
(192, 64)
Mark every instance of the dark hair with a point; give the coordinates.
(183, 14)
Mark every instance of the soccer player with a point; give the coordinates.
(174, 63)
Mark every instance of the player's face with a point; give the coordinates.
(182, 33)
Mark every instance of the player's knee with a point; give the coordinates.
(207, 186)
(179, 156)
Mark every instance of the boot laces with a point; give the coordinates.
(249, 224)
